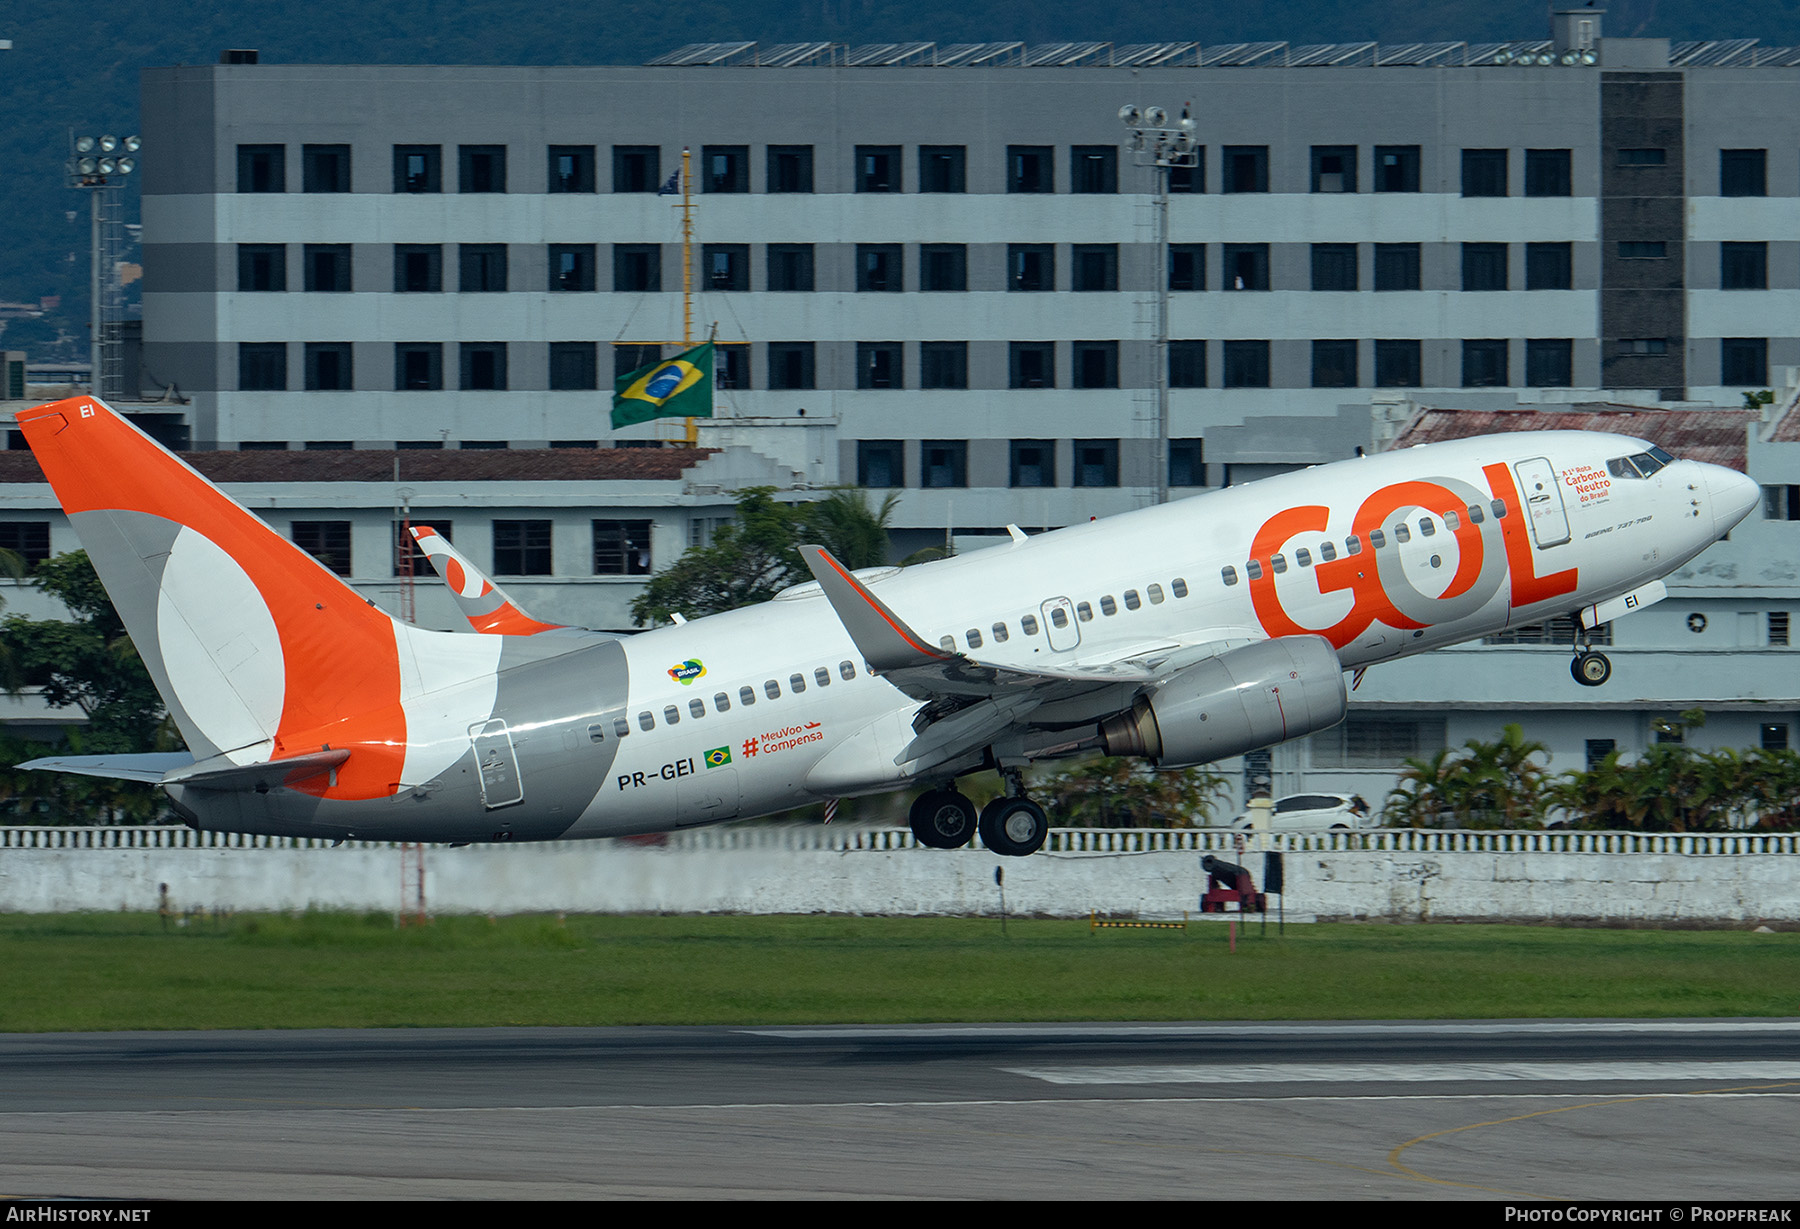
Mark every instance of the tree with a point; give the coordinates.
(1115, 792)
(88, 662)
(1497, 784)
(757, 555)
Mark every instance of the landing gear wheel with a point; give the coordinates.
(1591, 669)
(942, 819)
(1014, 827)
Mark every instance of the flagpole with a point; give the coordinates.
(687, 274)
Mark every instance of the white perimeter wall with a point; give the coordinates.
(1398, 875)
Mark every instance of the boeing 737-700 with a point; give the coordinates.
(1183, 633)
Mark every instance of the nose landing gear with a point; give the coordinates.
(1588, 667)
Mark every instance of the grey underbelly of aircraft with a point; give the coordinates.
(529, 771)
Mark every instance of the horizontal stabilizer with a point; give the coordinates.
(149, 766)
(218, 773)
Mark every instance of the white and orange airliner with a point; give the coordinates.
(1183, 633)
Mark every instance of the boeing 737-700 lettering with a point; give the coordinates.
(1183, 633)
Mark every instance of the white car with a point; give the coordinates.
(1314, 813)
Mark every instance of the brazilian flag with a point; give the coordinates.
(679, 387)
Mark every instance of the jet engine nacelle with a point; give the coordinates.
(1247, 698)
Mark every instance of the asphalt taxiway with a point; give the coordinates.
(1689, 1110)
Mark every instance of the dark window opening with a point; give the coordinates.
(571, 168)
(262, 168)
(574, 366)
(790, 168)
(879, 267)
(1095, 363)
(325, 168)
(731, 365)
(1547, 172)
(1744, 361)
(1743, 266)
(880, 364)
(1096, 463)
(329, 366)
(1031, 266)
(1187, 266)
(621, 548)
(878, 168)
(637, 267)
(1033, 364)
(1246, 364)
(261, 266)
(1484, 172)
(1549, 266)
(1094, 168)
(262, 366)
(943, 463)
(943, 364)
(481, 168)
(1096, 266)
(943, 267)
(725, 168)
(418, 366)
(1550, 362)
(571, 266)
(1484, 363)
(1030, 168)
(1033, 463)
(637, 168)
(943, 168)
(790, 266)
(1396, 168)
(418, 268)
(1398, 364)
(327, 267)
(1743, 172)
(482, 266)
(1334, 364)
(1187, 467)
(1334, 168)
(725, 266)
(791, 365)
(484, 365)
(1187, 364)
(1397, 266)
(418, 168)
(326, 541)
(1484, 266)
(879, 464)
(1246, 266)
(1246, 168)
(1334, 266)
(522, 548)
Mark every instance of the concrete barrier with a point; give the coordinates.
(1397, 875)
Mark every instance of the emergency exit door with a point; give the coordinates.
(497, 763)
(1543, 502)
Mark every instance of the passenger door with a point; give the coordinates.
(1543, 502)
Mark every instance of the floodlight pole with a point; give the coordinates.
(1161, 148)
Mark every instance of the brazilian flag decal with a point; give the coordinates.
(679, 387)
(718, 757)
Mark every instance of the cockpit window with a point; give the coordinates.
(1660, 455)
(1647, 463)
(1621, 467)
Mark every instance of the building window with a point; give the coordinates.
(1030, 266)
(943, 267)
(879, 464)
(1744, 361)
(1743, 172)
(1094, 168)
(943, 168)
(633, 356)
(262, 266)
(571, 168)
(481, 168)
(483, 267)
(1095, 364)
(1246, 266)
(1778, 627)
(637, 168)
(262, 168)
(325, 168)
(1246, 168)
(1187, 467)
(725, 168)
(725, 266)
(879, 267)
(484, 365)
(1397, 266)
(790, 168)
(1376, 742)
(418, 268)
(1743, 266)
(1643, 249)
(1030, 168)
(1187, 266)
(790, 266)
(1334, 266)
(326, 541)
(637, 267)
(418, 366)
(1549, 266)
(327, 267)
(1484, 266)
(1597, 750)
(1781, 503)
(621, 548)
(1396, 168)
(1096, 266)
(1484, 172)
(1547, 172)
(731, 365)
(1550, 362)
(418, 168)
(262, 366)
(574, 366)
(1484, 363)
(878, 168)
(1334, 168)
(1774, 736)
(1643, 157)
(1246, 364)
(1334, 364)
(1643, 345)
(571, 266)
(329, 366)
(1032, 364)
(943, 463)
(943, 364)
(1398, 365)
(1033, 463)
(522, 548)
(879, 364)
(1187, 364)
(1190, 179)
(791, 365)
(29, 540)
(1096, 463)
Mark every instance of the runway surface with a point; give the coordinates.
(1702, 1110)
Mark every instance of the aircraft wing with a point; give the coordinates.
(897, 653)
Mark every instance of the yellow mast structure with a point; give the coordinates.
(687, 273)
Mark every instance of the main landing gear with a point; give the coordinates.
(1012, 825)
(1588, 667)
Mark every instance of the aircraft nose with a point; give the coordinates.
(1734, 497)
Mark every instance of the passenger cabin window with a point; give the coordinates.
(1402, 533)
(1499, 510)
(1303, 557)
(646, 722)
(796, 683)
(1475, 514)
(671, 715)
(1178, 587)
(846, 671)
(621, 727)
(1327, 552)
(772, 689)
(1377, 539)
(1084, 612)
(1451, 522)
(746, 696)
(822, 676)
(1254, 569)
(1132, 601)
(722, 702)
(1108, 607)
(1229, 575)
(1278, 564)
(1000, 633)
(973, 636)
(1427, 527)
(1029, 625)
(1155, 594)
(697, 707)
(947, 643)
(1353, 545)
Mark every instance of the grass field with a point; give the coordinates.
(126, 971)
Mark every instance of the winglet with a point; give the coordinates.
(484, 604)
(885, 642)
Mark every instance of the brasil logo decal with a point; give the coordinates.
(718, 757)
(687, 671)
